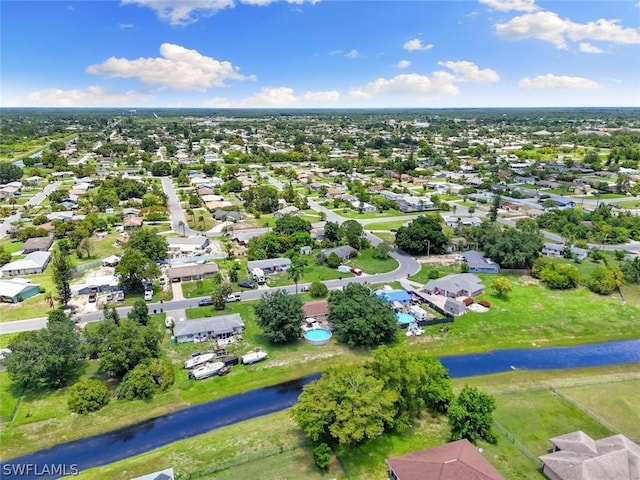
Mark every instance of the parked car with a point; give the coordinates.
(204, 302)
(109, 296)
(162, 280)
(224, 370)
(356, 271)
(246, 284)
(233, 297)
(120, 295)
(305, 288)
(93, 296)
(148, 295)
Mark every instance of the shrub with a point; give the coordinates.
(145, 379)
(318, 290)
(322, 455)
(88, 395)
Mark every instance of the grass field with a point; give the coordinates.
(386, 225)
(349, 213)
(365, 262)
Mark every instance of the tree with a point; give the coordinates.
(471, 416)
(87, 395)
(318, 290)
(296, 270)
(555, 275)
(263, 198)
(493, 211)
(421, 381)
(331, 231)
(510, 247)
(134, 267)
(360, 317)
(120, 347)
(289, 224)
(9, 173)
(347, 405)
(50, 298)
(631, 270)
(45, 358)
(148, 242)
(161, 169)
(502, 286)
(605, 280)
(145, 379)
(139, 313)
(221, 290)
(382, 251)
(333, 260)
(280, 315)
(182, 226)
(86, 245)
(62, 273)
(423, 235)
(350, 232)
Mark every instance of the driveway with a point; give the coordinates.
(176, 288)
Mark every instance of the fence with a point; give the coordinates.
(535, 460)
(584, 409)
(515, 271)
(241, 460)
(86, 266)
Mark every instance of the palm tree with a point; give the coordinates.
(192, 215)
(201, 220)
(181, 225)
(296, 270)
(50, 298)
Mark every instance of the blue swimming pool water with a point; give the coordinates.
(405, 318)
(318, 334)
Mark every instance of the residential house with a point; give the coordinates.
(130, 223)
(456, 222)
(271, 265)
(345, 252)
(98, 283)
(242, 237)
(478, 263)
(184, 273)
(186, 246)
(34, 262)
(290, 210)
(363, 207)
(459, 460)
(37, 244)
(562, 203)
(318, 309)
(17, 290)
(577, 456)
(218, 328)
(166, 474)
(409, 203)
(456, 285)
(557, 250)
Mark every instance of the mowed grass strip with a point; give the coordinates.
(267, 447)
(616, 403)
(535, 416)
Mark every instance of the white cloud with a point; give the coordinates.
(588, 48)
(548, 26)
(408, 85)
(564, 82)
(92, 96)
(352, 54)
(416, 44)
(469, 72)
(277, 97)
(511, 5)
(403, 64)
(185, 12)
(179, 68)
(125, 25)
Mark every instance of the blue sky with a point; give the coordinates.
(319, 54)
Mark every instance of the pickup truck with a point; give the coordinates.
(233, 297)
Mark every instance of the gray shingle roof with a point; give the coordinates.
(221, 324)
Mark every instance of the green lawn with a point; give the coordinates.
(535, 416)
(370, 265)
(349, 213)
(194, 222)
(386, 225)
(102, 248)
(441, 270)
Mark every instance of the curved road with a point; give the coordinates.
(32, 202)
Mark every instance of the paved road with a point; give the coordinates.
(32, 202)
(175, 211)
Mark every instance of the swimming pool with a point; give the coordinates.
(317, 336)
(405, 318)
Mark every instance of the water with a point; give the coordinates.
(157, 432)
(405, 318)
(317, 334)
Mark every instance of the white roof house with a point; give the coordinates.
(34, 262)
(223, 326)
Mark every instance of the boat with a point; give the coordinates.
(207, 370)
(198, 360)
(254, 356)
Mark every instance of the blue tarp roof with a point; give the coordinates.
(395, 296)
